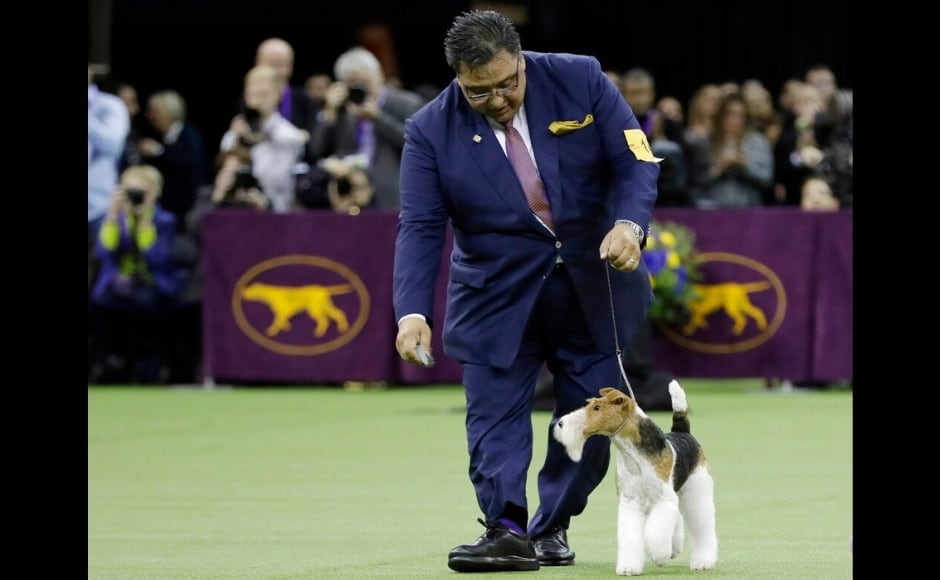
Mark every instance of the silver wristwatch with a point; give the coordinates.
(636, 229)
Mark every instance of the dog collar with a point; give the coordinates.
(625, 419)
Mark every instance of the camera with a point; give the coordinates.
(242, 182)
(135, 195)
(357, 94)
(244, 179)
(252, 117)
(343, 186)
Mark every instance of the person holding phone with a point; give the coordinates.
(363, 122)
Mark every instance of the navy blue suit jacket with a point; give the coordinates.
(453, 171)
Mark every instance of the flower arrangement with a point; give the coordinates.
(669, 257)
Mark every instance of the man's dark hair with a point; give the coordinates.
(476, 37)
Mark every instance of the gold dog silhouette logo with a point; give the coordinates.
(300, 305)
(731, 316)
(733, 298)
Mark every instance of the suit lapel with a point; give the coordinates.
(480, 141)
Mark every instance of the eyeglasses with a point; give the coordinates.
(481, 97)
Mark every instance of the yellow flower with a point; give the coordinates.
(672, 258)
(668, 239)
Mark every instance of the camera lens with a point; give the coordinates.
(135, 195)
(343, 186)
(357, 94)
(252, 117)
(244, 179)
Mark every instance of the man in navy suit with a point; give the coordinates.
(566, 288)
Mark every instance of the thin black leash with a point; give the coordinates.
(613, 318)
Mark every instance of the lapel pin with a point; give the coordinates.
(477, 138)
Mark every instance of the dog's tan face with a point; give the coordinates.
(612, 412)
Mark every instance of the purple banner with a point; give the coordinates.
(832, 316)
(302, 297)
(306, 298)
(776, 291)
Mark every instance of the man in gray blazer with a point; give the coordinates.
(363, 122)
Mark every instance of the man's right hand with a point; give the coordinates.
(412, 331)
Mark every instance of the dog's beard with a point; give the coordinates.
(569, 431)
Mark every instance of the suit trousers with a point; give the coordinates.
(499, 414)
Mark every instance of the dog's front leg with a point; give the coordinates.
(631, 553)
(661, 527)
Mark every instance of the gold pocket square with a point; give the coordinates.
(565, 127)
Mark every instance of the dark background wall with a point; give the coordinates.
(202, 48)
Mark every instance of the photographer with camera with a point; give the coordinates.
(363, 122)
(235, 185)
(274, 144)
(336, 184)
(138, 282)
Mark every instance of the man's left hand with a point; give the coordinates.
(621, 248)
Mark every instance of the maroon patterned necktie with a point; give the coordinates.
(528, 176)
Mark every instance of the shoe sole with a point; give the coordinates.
(483, 564)
(557, 561)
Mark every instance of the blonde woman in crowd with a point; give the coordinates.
(138, 285)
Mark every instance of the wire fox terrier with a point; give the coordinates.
(662, 479)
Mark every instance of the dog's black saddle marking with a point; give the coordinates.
(687, 451)
(652, 438)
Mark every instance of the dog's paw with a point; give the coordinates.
(661, 554)
(659, 561)
(706, 564)
(705, 557)
(627, 571)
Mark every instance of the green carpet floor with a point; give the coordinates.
(324, 483)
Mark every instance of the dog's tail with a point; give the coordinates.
(680, 409)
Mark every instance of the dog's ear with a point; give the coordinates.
(613, 395)
(627, 404)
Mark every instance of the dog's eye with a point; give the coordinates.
(597, 407)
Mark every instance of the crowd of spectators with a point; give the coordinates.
(737, 148)
(334, 142)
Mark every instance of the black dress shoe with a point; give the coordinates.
(499, 549)
(552, 549)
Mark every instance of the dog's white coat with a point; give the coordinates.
(651, 516)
